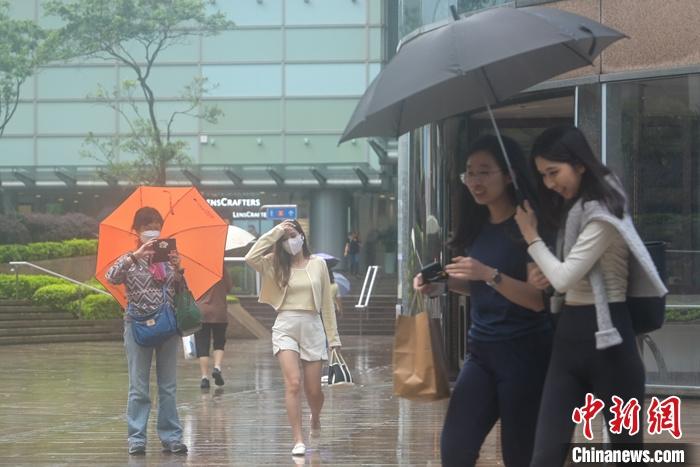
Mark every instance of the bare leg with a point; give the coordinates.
(218, 357)
(204, 366)
(312, 389)
(289, 363)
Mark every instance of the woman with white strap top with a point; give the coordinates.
(296, 284)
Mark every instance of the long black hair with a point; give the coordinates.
(569, 145)
(472, 216)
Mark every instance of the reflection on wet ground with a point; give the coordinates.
(63, 405)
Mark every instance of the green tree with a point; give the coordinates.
(20, 56)
(134, 33)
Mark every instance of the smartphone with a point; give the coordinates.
(162, 248)
(433, 272)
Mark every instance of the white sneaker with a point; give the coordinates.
(299, 449)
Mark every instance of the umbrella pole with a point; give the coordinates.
(518, 193)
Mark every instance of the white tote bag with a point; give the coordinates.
(189, 346)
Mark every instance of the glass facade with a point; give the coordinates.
(289, 70)
(652, 141)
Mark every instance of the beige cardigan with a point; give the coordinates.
(272, 294)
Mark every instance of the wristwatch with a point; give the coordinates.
(495, 279)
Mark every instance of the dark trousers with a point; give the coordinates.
(209, 331)
(498, 380)
(576, 368)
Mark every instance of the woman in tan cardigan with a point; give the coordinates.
(296, 284)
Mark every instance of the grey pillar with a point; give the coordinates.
(329, 222)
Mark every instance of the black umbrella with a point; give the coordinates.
(475, 62)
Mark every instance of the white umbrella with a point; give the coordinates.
(238, 238)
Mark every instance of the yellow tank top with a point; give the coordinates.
(299, 295)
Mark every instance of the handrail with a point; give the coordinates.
(371, 272)
(61, 276)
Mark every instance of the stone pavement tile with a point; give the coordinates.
(63, 405)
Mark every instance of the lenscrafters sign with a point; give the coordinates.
(241, 208)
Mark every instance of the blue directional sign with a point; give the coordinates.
(281, 212)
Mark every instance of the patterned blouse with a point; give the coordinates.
(143, 293)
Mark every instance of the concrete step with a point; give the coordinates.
(9, 340)
(14, 302)
(99, 328)
(33, 315)
(21, 308)
(75, 323)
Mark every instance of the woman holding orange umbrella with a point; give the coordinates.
(148, 286)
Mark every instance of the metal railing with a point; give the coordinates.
(15, 265)
(370, 276)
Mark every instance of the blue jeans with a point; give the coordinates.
(139, 405)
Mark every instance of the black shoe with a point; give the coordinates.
(204, 384)
(218, 379)
(176, 447)
(137, 449)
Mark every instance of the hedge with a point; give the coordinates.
(23, 286)
(47, 250)
(56, 296)
(682, 314)
(98, 306)
(40, 227)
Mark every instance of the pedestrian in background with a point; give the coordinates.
(352, 251)
(214, 307)
(148, 286)
(297, 285)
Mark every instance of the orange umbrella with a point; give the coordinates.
(187, 217)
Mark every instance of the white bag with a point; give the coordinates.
(189, 346)
(338, 372)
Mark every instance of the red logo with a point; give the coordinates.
(587, 413)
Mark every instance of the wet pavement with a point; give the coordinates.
(63, 405)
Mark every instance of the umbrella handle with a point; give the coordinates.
(520, 198)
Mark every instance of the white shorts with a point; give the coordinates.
(302, 332)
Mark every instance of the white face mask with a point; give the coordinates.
(293, 245)
(148, 235)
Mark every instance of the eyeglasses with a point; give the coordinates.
(466, 177)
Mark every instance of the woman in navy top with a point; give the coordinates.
(509, 335)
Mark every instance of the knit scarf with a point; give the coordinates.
(643, 278)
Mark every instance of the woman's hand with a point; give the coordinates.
(146, 250)
(527, 221)
(468, 269)
(174, 257)
(536, 278)
(426, 288)
(289, 229)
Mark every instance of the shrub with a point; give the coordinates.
(80, 247)
(230, 298)
(682, 314)
(13, 231)
(56, 296)
(23, 286)
(97, 306)
(47, 250)
(51, 227)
